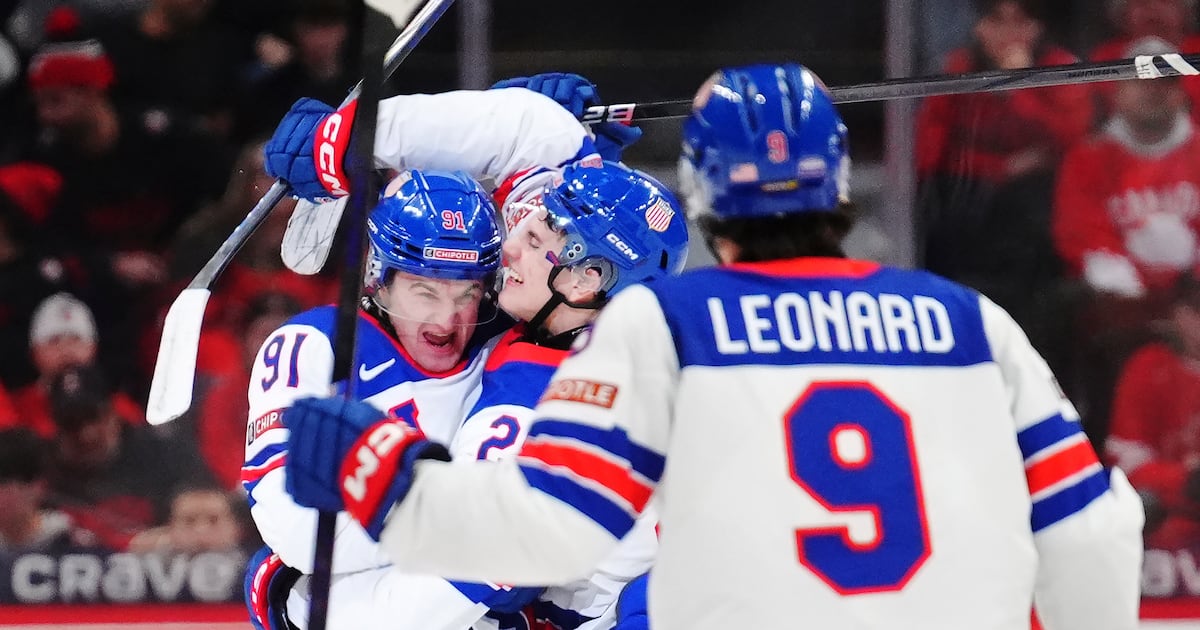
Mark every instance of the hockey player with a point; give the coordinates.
(829, 440)
(603, 248)
(434, 253)
(600, 231)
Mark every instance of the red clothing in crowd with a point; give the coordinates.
(974, 135)
(1155, 435)
(8, 412)
(1118, 48)
(33, 411)
(1107, 188)
(222, 405)
(241, 285)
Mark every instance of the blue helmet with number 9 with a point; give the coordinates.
(764, 140)
(619, 221)
(433, 224)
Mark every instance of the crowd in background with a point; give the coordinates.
(132, 147)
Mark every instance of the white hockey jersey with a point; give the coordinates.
(514, 379)
(297, 361)
(831, 443)
(516, 139)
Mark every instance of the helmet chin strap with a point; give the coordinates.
(535, 323)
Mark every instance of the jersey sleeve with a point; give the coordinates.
(1086, 520)
(493, 134)
(592, 459)
(296, 361)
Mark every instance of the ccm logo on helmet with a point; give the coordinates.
(621, 246)
(327, 153)
(451, 255)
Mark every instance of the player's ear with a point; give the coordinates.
(584, 285)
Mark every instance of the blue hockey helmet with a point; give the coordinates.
(764, 140)
(435, 224)
(619, 221)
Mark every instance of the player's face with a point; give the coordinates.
(434, 318)
(527, 266)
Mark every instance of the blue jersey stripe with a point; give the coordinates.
(266, 453)
(592, 504)
(1052, 430)
(1068, 501)
(645, 461)
(499, 599)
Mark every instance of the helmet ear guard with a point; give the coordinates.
(621, 227)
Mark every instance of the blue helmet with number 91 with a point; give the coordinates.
(619, 221)
(764, 140)
(433, 224)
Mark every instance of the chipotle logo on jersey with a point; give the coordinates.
(582, 391)
(262, 424)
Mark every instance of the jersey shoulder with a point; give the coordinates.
(518, 371)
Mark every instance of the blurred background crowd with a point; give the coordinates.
(130, 147)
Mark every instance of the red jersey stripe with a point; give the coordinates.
(1059, 466)
(615, 477)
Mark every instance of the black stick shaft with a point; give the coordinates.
(1145, 67)
(363, 195)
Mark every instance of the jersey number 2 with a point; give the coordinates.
(851, 449)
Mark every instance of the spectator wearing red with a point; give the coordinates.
(112, 477)
(1155, 431)
(1127, 206)
(1172, 21)
(999, 136)
(62, 335)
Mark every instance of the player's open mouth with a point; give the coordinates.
(438, 341)
(510, 275)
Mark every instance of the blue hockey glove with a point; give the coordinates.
(268, 581)
(308, 149)
(572, 91)
(347, 455)
(576, 94)
(632, 609)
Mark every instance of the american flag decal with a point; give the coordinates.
(658, 217)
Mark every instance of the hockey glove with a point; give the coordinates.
(266, 587)
(308, 149)
(576, 94)
(347, 455)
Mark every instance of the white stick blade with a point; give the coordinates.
(309, 235)
(175, 370)
(398, 10)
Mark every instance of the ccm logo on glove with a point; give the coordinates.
(367, 473)
(330, 149)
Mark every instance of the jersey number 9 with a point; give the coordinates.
(851, 449)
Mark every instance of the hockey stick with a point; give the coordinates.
(175, 369)
(1141, 67)
(310, 232)
(363, 194)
